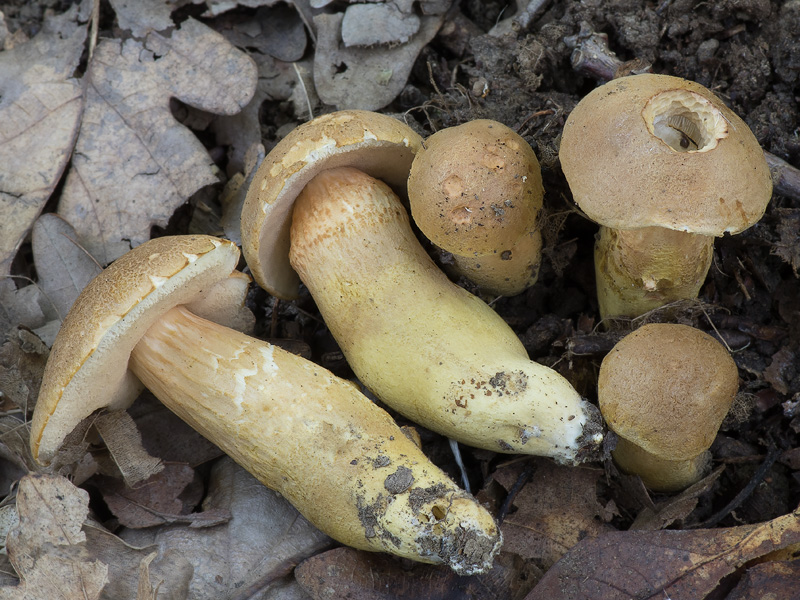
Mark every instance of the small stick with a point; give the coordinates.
(523, 478)
(591, 56)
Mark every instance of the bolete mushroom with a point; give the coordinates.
(475, 191)
(336, 456)
(663, 166)
(664, 390)
(424, 346)
(375, 143)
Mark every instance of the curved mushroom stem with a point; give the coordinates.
(423, 345)
(336, 456)
(638, 270)
(660, 474)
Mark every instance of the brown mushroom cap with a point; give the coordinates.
(377, 144)
(88, 364)
(475, 188)
(667, 388)
(654, 150)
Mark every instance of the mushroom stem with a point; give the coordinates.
(638, 270)
(316, 439)
(660, 474)
(425, 346)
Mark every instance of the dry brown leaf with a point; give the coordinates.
(365, 78)
(263, 535)
(43, 546)
(40, 107)
(22, 360)
(356, 575)
(654, 565)
(241, 131)
(134, 165)
(63, 267)
(276, 30)
(788, 247)
(769, 581)
(555, 510)
(124, 442)
(156, 501)
(143, 16)
(59, 555)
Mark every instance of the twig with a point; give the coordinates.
(591, 56)
(523, 478)
(772, 455)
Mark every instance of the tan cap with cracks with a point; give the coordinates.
(654, 150)
(376, 144)
(116, 308)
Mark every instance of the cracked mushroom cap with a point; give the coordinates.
(88, 364)
(475, 188)
(666, 388)
(376, 144)
(654, 150)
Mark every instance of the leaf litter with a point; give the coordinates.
(122, 138)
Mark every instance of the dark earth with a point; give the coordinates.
(745, 51)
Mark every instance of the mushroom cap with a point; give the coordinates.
(667, 388)
(377, 144)
(654, 150)
(88, 364)
(475, 188)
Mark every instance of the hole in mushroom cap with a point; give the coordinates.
(438, 512)
(685, 121)
(461, 215)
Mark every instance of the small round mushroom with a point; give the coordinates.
(476, 192)
(374, 143)
(664, 167)
(336, 456)
(664, 390)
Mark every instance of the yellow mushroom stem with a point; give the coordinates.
(423, 345)
(638, 270)
(336, 456)
(660, 474)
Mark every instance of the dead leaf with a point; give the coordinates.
(277, 31)
(124, 443)
(364, 78)
(782, 368)
(241, 131)
(59, 555)
(356, 575)
(40, 107)
(63, 267)
(555, 510)
(654, 565)
(769, 581)
(22, 360)
(263, 535)
(51, 514)
(676, 508)
(143, 16)
(157, 501)
(788, 247)
(134, 165)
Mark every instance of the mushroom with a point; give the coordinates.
(476, 191)
(664, 390)
(375, 143)
(425, 346)
(663, 166)
(336, 456)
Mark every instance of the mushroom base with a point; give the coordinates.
(505, 272)
(638, 270)
(336, 456)
(658, 474)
